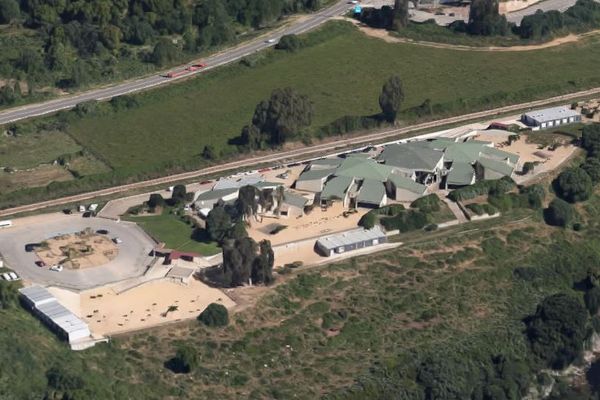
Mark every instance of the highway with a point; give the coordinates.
(303, 24)
(282, 156)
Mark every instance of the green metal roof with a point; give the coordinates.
(294, 199)
(336, 188)
(361, 168)
(266, 185)
(464, 152)
(215, 194)
(492, 152)
(402, 182)
(315, 174)
(371, 192)
(502, 167)
(413, 155)
(330, 162)
(461, 173)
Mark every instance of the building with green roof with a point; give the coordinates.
(460, 174)
(401, 188)
(313, 180)
(372, 194)
(337, 188)
(414, 159)
(363, 168)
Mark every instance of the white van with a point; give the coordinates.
(5, 224)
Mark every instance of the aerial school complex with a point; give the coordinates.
(90, 278)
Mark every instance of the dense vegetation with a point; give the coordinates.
(73, 43)
(124, 140)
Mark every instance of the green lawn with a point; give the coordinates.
(342, 75)
(175, 233)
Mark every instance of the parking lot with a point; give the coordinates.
(131, 260)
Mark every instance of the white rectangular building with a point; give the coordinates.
(58, 318)
(551, 117)
(351, 240)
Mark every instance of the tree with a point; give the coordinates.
(179, 194)
(590, 139)
(238, 258)
(209, 153)
(156, 200)
(218, 223)
(368, 220)
(592, 167)
(289, 43)
(557, 330)
(278, 119)
(485, 19)
(391, 98)
(262, 267)
(573, 185)
(165, 52)
(400, 14)
(215, 315)
(185, 360)
(9, 11)
(7, 94)
(559, 213)
(247, 201)
(528, 166)
(592, 300)
(8, 295)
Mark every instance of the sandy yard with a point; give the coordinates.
(145, 306)
(547, 160)
(78, 250)
(315, 224)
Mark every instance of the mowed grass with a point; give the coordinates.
(175, 233)
(342, 76)
(32, 149)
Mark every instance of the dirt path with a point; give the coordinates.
(385, 35)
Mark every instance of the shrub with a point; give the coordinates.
(528, 167)
(480, 188)
(215, 315)
(534, 195)
(368, 220)
(406, 221)
(592, 167)
(476, 208)
(573, 185)
(289, 43)
(559, 213)
(592, 300)
(427, 204)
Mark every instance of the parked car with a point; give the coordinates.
(40, 263)
(29, 247)
(67, 211)
(14, 276)
(89, 214)
(6, 277)
(102, 232)
(117, 240)
(270, 41)
(56, 268)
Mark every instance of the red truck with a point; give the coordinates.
(195, 67)
(174, 74)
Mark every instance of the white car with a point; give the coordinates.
(14, 276)
(6, 277)
(117, 240)
(270, 41)
(56, 268)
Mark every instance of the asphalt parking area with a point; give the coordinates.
(131, 261)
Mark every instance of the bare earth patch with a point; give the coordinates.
(78, 250)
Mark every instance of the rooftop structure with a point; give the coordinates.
(363, 168)
(337, 188)
(372, 194)
(461, 174)
(55, 315)
(412, 156)
(351, 240)
(550, 117)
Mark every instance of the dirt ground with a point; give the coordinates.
(78, 250)
(384, 35)
(39, 176)
(145, 306)
(315, 224)
(529, 152)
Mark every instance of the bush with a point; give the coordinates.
(528, 167)
(559, 213)
(215, 315)
(573, 185)
(476, 208)
(534, 195)
(406, 221)
(185, 360)
(592, 300)
(427, 204)
(480, 188)
(592, 167)
(289, 43)
(368, 220)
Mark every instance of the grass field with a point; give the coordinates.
(32, 149)
(175, 233)
(342, 76)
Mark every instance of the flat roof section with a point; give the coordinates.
(551, 114)
(351, 237)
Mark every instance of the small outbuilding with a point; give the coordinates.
(350, 240)
(551, 117)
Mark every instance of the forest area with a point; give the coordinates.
(69, 44)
